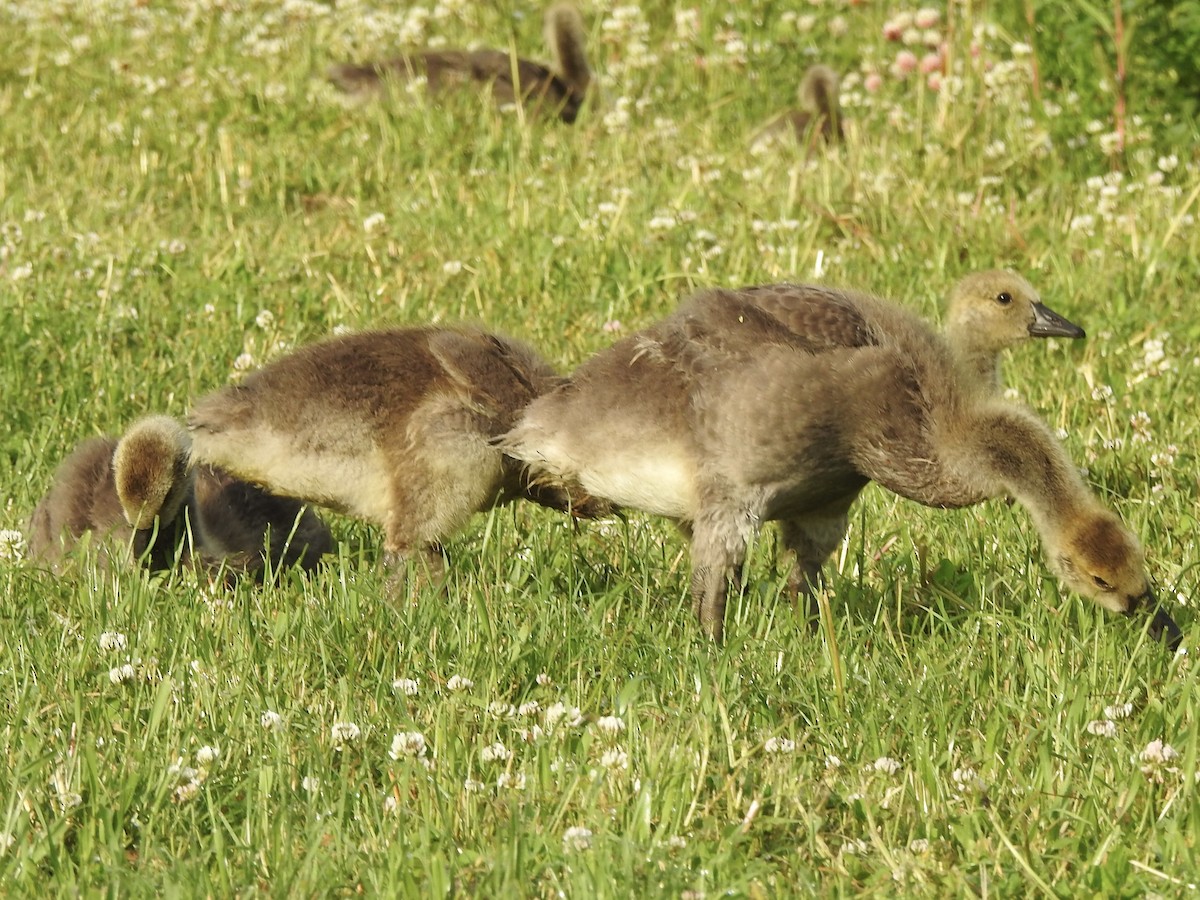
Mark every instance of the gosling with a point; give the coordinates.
(819, 115)
(138, 495)
(988, 312)
(395, 427)
(559, 92)
(782, 402)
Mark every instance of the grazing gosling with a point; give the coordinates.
(820, 113)
(782, 402)
(139, 495)
(395, 427)
(559, 92)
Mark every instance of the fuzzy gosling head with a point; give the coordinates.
(1098, 557)
(150, 467)
(998, 309)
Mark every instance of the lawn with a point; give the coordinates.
(183, 197)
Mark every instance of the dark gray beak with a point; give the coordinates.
(1164, 629)
(1048, 323)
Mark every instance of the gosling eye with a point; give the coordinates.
(1004, 298)
(1101, 583)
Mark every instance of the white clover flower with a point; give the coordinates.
(390, 804)
(176, 246)
(532, 734)
(122, 674)
(271, 720)
(471, 786)
(576, 839)
(1119, 711)
(918, 846)
(1102, 728)
(926, 17)
(832, 762)
(886, 765)
(528, 708)
(662, 222)
(458, 683)
(452, 267)
(1156, 761)
(409, 687)
(500, 710)
(244, 362)
(264, 319)
(496, 752)
(186, 791)
(512, 782)
(779, 745)
(676, 842)
(112, 640)
(1157, 753)
(374, 222)
(207, 755)
(21, 272)
(311, 783)
(407, 743)
(610, 726)
(615, 759)
(1165, 458)
(965, 779)
(12, 544)
(344, 733)
(544, 680)
(561, 713)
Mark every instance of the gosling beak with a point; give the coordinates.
(1162, 626)
(1048, 323)
(1164, 629)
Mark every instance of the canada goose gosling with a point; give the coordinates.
(560, 92)
(151, 471)
(819, 114)
(781, 402)
(393, 426)
(141, 490)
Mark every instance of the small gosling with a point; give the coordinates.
(559, 92)
(819, 114)
(395, 427)
(782, 402)
(139, 496)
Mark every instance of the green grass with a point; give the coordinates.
(168, 172)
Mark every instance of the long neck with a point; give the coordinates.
(978, 364)
(1016, 451)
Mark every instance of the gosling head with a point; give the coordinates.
(150, 468)
(1096, 556)
(993, 310)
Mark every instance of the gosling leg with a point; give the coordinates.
(719, 542)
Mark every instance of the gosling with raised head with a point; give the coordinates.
(819, 114)
(395, 427)
(988, 312)
(140, 497)
(558, 92)
(782, 402)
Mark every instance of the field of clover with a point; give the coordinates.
(183, 198)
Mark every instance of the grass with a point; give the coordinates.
(178, 189)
